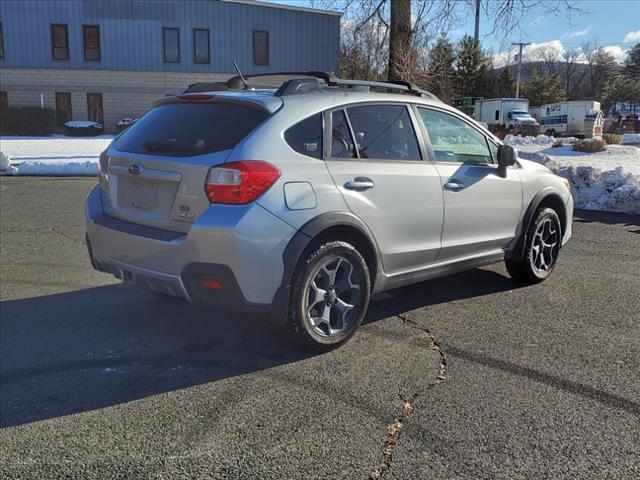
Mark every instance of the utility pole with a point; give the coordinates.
(521, 45)
(476, 36)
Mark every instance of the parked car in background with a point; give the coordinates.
(83, 128)
(305, 199)
(580, 118)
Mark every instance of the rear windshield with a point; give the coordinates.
(188, 129)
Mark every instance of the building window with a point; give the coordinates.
(63, 108)
(1, 41)
(94, 107)
(91, 34)
(60, 41)
(260, 48)
(4, 101)
(200, 45)
(171, 42)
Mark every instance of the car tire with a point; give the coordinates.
(544, 239)
(330, 292)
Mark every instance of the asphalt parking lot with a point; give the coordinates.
(99, 380)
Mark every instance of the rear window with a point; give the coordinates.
(188, 129)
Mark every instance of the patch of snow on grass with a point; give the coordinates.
(53, 156)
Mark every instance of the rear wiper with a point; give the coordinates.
(155, 146)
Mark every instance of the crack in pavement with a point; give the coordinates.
(395, 428)
(72, 238)
(49, 229)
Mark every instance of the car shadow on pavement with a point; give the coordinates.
(92, 348)
(469, 284)
(607, 218)
(88, 349)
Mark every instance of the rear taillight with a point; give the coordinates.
(102, 168)
(240, 182)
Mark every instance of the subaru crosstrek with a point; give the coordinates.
(306, 200)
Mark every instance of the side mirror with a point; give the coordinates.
(507, 157)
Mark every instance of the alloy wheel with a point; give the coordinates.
(333, 296)
(545, 246)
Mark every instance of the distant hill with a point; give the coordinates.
(530, 67)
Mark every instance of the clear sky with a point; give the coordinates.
(614, 24)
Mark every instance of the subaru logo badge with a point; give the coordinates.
(134, 169)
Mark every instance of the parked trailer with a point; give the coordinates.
(506, 115)
(580, 118)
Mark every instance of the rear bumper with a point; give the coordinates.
(240, 247)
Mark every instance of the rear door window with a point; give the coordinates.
(189, 129)
(305, 137)
(384, 132)
(341, 140)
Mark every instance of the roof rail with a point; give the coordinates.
(329, 78)
(413, 88)
(296, 86)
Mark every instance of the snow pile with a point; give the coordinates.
(4, 161)
(594, 189)
(631, 138)
(53, 156)
(543, 140)
(55, 169)
(126, 121)
(607, 181)
(515, 141)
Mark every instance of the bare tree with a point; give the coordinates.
(394, 35)
(400, 45)
(572, 78)
(550, 58)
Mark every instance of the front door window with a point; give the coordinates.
(454, 140)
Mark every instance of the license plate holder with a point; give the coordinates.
(144, 195)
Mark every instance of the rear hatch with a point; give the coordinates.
(155, 172)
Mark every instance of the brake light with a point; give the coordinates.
(196, 97)
(240, 182)
(211, 284)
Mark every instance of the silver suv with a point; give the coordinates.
(305, 200)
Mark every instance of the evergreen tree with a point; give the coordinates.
(505, 83)
(603, 69)
(631, 65)
(472, 70)
(441, 72)
(542, 89)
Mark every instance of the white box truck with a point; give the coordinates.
(578, 118)
(506, 115)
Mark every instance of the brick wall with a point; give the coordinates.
(124, 93)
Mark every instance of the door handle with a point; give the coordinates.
(454, 184)
(359, 183)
